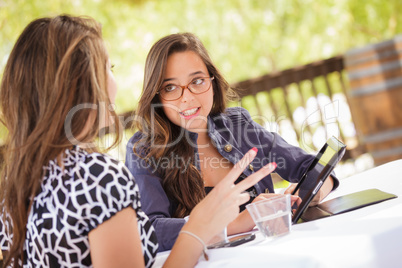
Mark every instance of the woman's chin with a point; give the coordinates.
(196, 126)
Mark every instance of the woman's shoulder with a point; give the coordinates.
(138, 141)
(135, 138)
(95, 167)
(237, 111)
(100, 184)
(234, 116)
(102, 177)
(105, 160)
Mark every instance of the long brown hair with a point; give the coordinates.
(56, 65)
(161, 138)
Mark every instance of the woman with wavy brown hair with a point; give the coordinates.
(63, 203)
(188, 140)
(185, 185)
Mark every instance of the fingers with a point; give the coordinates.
(264, 196)
(239, 167)
(290, 189)
(315, 201)
(255, 177)
(243, 198)
(295, 198)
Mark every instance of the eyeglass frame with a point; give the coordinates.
(186, 86)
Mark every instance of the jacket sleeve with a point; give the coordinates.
(154, 200)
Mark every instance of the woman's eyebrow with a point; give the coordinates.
(198, 72)
(192, 74)
(168, 79)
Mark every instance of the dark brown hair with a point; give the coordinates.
(162, 138)
(56, 65)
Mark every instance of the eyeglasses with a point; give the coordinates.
(197, 86)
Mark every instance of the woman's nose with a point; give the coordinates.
(187, 95)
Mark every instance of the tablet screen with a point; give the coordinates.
(317, 172)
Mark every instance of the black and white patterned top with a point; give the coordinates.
(75, 200)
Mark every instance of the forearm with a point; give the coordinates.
(185, 252)
(188, 249)
(243, 223)
(327, 187)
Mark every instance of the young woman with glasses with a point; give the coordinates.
(188, 140)
(62, 202)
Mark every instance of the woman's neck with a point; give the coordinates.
(203, 138)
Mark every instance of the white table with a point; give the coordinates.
(367, 237)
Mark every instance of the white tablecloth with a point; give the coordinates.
(367, 237)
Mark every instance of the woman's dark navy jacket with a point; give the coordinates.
(234, 133)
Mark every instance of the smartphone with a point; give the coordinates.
(234, 241)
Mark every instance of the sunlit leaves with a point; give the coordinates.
(245, 38)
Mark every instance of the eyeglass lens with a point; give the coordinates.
(196, 86)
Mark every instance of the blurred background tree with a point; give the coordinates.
(245, 38)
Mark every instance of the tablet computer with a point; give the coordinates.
(316, 174)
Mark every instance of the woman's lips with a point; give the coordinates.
(190, 113)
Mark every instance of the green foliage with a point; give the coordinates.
(245, 38)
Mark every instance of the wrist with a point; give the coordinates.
(197, 229)
(208, 235)
(235, 226)
(200, 242)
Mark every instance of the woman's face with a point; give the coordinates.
(190, 111)
(111, 83)
(106, 118)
